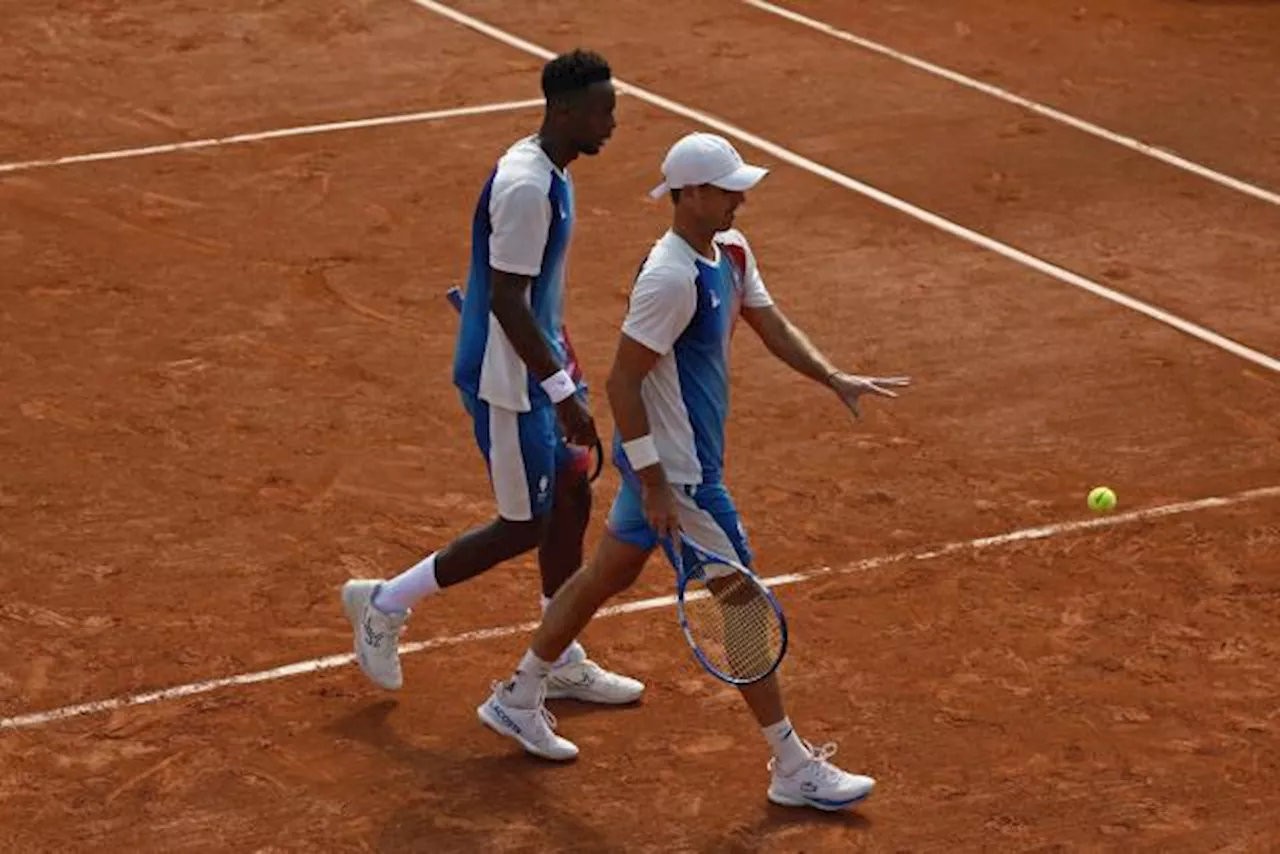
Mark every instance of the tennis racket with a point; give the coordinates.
(730, 619)
(454, 295)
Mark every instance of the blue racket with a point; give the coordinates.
(454, 295)
(730, 619)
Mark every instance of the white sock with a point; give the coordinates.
(787, 746)
(576, 651)
(525, 688)
(400, 593)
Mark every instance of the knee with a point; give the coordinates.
(525, 534)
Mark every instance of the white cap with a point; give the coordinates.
(704, 158)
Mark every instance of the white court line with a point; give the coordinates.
(1195, 330)
(1034, 106)
(330, 662)
(328, 127)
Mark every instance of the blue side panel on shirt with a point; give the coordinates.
(702, 364)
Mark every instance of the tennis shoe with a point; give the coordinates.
(580, 678)
(534, 728)
(376, 635)
(818, 783)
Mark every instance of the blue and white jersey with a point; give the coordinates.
(684, 307)
(522, 225)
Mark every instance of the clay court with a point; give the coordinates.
(224, 379)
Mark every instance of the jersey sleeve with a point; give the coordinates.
(520, 218)
(754, 292)
(663, 301)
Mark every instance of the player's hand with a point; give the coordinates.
(850, 387)
(575, 419)
(659, 501)
(661, 511)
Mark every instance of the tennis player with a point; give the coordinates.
(514, 370)
(669, 392)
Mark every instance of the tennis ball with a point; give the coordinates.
(1102, 498)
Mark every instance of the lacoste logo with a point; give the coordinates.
(506, 719)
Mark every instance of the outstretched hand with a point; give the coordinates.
(850, 387)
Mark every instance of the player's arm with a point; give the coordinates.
(510, 306)
(661, 306)
(788, 342)
(790, 345)
(520, 216)
(631, 364)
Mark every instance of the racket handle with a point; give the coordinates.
(454, 296)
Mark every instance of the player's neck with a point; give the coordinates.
(702, 240)
(560, 150)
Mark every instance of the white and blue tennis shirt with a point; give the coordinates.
(685, 307)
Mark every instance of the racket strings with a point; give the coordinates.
(734, 624)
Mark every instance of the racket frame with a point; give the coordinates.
(683, 576)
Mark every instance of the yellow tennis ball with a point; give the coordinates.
(1102, 498)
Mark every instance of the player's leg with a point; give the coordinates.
(561, 550)
(520, 452)
(800, 775)
(515, 708)
(574, 676)
(519, 449)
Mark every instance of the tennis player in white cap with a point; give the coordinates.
(669, 393)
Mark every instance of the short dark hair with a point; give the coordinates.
(570, 73)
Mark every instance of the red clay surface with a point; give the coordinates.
(226, 390)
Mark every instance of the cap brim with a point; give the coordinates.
(743, 178)
(659, 191)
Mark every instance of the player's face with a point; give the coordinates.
(718, 206)
(591, 117)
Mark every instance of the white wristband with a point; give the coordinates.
(559, 386)
(641, 453)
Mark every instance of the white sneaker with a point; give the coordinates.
(376, 635)
(584, 680)
(818, 783)
(534, 728)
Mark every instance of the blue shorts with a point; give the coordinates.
(707, 515)
(523, 452)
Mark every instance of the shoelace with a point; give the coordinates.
(826, 772)
(818, 757)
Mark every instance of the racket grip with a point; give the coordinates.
(454, 296)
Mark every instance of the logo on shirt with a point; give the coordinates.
(715, 300)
